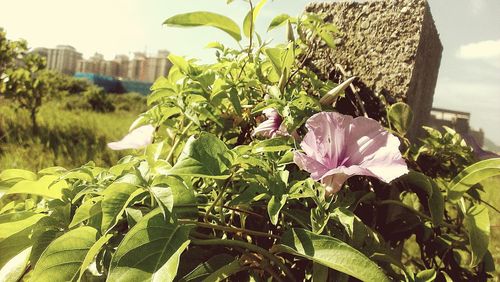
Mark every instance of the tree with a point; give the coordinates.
(10, 52)
(30, 84)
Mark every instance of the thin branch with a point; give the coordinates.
(301, 66)
(219, 198)
(251, 247)
(229, 229)
(354, 91)
(251, 40)
(177, 142)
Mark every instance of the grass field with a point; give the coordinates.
(70, 135)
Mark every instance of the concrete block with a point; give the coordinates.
(393, 46)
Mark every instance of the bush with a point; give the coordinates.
(98, 100)
(247, 175)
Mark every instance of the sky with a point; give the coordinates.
(469, 78)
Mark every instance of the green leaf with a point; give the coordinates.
(277, 21)
(13, 245)
(223, 273)
(427, 275)
(87, 210)
(171, 191)
(330, 252)
(273, 145)
(92, 253)
(116, 198)
(435, 200)
(15, 233)
(14, 269)
(472, 175)
(215, 45)
(179, 62)
(235, 100)
(331, 96)
(400, 117)
(327, 36)
(205, 156)
(477, 224)
(150, 251)
(10, 176)
(274, 55)
(48, 186)
(274, 207)
(62, 259)
(13, 223)
(206, 19)
(250, 19)
(208, 267)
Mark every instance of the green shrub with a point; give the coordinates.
(247, 175)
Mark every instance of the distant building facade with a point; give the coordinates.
(457, 120)
(139, 68)
(63, 58)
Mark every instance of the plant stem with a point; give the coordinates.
(229, 229)
(219, 198)
(251, 39)
(177, 142)
(356, 95)
(226, 207)
(302, 64)
(251, 247)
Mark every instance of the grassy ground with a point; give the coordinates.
(70, 135)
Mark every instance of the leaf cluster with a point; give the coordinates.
(209, 201)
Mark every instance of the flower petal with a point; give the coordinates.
(272, 127)
(337, 147)
(333, 183)
(266, 128)
(271, 113)
(387, 163)
(137, 139)
(366, 136)
(310, 165)
(329, 130)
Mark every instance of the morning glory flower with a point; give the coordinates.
(138, 138)
(272, 127)
(339, 146)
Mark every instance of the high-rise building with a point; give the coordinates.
(123, 62)
(136, 67)
(96, 64)
(86, 66)
(157, 66)
(63, 58)
(141, 67)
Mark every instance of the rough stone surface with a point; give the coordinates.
(391, 45)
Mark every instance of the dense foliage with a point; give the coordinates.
(210, 200)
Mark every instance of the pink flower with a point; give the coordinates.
(138, 138)
(272, 127)
(338, 146)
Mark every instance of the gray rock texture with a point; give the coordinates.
(392, 46)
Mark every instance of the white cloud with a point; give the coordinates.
(489, 49)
